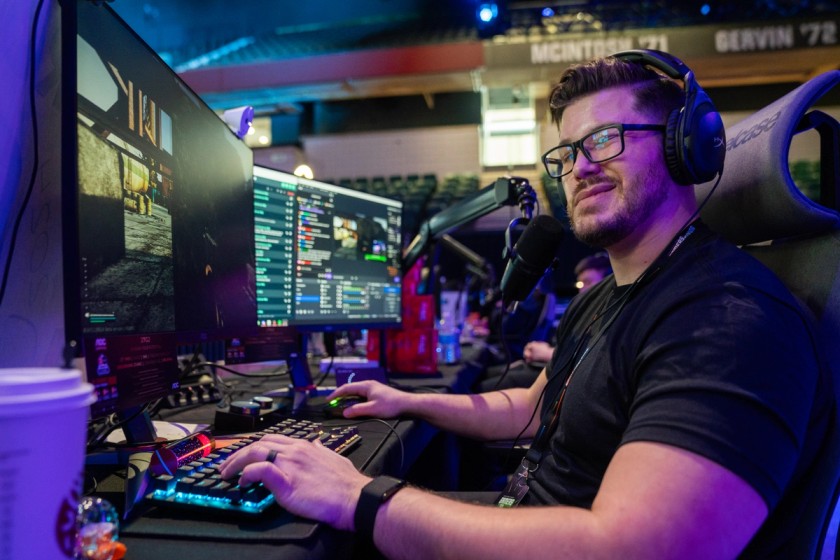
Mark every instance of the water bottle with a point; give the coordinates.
(449, 335)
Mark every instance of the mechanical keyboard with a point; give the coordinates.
(199, 486)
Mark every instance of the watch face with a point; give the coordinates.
(382, 487)
(396, 484)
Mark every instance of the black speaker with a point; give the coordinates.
(695, 139)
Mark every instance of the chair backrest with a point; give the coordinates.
(757, 205)
(545, 322)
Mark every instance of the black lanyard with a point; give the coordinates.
(610, 310)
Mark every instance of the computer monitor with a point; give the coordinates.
(158, 208)
(328, 259)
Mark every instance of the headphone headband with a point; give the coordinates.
(672, 66)
(695, 139)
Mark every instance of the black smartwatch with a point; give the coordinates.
(374, 494)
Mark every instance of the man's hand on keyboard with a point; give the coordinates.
(305, 477)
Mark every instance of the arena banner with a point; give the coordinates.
(687, 42)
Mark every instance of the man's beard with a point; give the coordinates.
(638, 200)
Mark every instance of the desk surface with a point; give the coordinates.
(389, 447)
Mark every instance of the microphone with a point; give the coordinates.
(530, 258)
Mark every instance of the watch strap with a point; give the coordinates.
(374, 494)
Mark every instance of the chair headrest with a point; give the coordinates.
(757, 199)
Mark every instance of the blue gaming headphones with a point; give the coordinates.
(695, 139)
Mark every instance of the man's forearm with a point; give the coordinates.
(420, 525)
(487, 416)
(640, 511)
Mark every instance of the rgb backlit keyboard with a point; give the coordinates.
(199, 486)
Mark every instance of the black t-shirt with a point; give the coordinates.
(710, 353)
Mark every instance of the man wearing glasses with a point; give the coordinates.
(680, 412)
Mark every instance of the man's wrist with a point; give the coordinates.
(373, 495)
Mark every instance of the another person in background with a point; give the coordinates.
(531, 319)
(589, 271)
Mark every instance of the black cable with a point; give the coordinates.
(212, 365)
(392, 430)
(226, 390)
(98, 439)
(89, 489)
(35, 156)
(326, 371)
(506, 346)
(518, 437)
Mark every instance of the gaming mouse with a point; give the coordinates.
(335, 407)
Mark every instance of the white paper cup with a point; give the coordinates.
(43, 422)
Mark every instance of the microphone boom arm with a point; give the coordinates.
(475, 262)
(506, 191)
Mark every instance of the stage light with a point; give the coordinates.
(487, 13)
(705, 9)
(491, 18)
(547, 12)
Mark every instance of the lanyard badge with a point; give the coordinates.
(518, 485)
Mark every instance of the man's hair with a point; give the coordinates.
(655, 94)
(598, 261)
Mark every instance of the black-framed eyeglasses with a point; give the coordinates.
(598, 146)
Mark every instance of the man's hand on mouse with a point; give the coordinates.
(336, 407)
(382, 401)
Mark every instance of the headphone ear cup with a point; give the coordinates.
(673, 149)
(695, 138)
(705, 148)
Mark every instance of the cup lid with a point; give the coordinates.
(29, 385)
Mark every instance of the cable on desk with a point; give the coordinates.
(213, 365)
(88, 490)
(224, 388)
(393, 430)
(326, 372)
(98, 438)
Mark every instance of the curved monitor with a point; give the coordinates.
(328, 257)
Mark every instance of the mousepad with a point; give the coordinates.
(275, 525)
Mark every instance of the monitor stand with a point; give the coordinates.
(142, 435)
(303, 385)
(138, 428)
